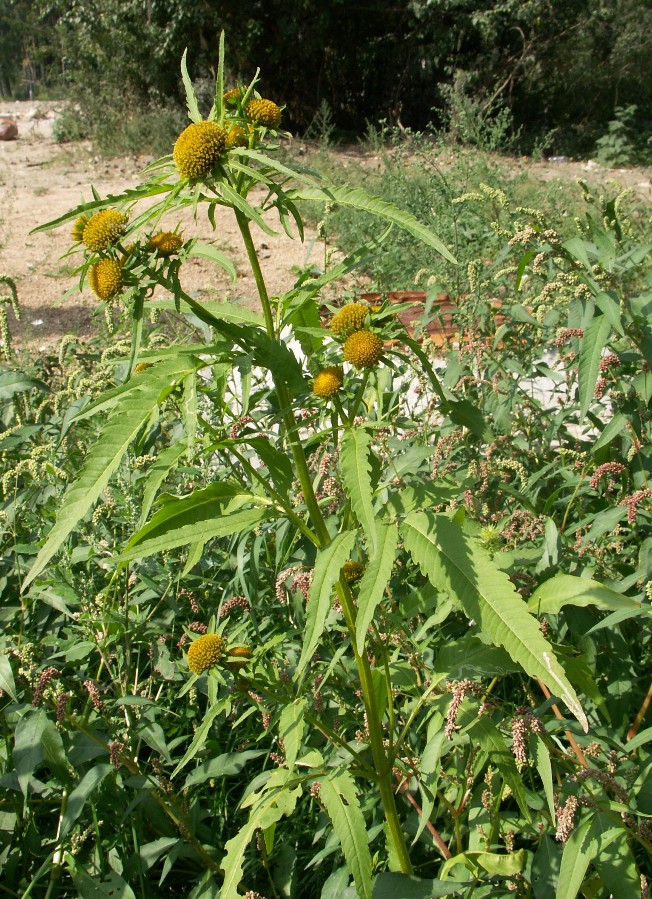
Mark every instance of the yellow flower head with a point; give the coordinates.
(105, 278)
(264, 112)
(364, 349)
(198, 148)
(352, 571)
(231, 97)
(205, 652)
(350, 318)
(238, 657)
(78, 228)
(103, 228)
(237, 137)
(328, 381)
(166, 243)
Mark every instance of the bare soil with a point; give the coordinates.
(41, 180)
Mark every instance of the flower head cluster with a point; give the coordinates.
(363, 349)
(352, 571)
(105, 278)
(78, 228)
(165, 243)
(236, 137)
(105, 227)
(198, 148)
(231, 97)
(328, 382)
(350, 318)
(205, 652)
(238, 657)
(264, 112)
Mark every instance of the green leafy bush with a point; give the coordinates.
(319, 609)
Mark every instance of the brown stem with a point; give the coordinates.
(571, 739)
(430, 827)
(631, 733)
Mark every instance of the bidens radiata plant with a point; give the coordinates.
(383, 634)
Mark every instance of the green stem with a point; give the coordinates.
(382, 763)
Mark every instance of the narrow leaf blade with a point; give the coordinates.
(455, 564)
(356, 474)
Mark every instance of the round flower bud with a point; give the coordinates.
(103, 228)
(165, 243)
(239, 656)
(264, 112)
(364, 349)
(237, 137)
(205, 652)
(350, 318)
(328, 381)
(352, 571)
(78, 228)
(105, 278)
(198, 148)
(231, 97)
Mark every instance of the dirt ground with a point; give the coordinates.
(40, 180)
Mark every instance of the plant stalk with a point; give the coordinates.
(382, 763)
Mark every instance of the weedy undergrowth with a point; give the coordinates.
(376, 569)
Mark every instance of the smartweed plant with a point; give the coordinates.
(311, 634)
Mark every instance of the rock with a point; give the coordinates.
(8, 129)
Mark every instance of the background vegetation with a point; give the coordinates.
(553, 75)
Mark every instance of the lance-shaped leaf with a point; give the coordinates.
(338, 795)
(360, 199)
(356, 474)
(593, 342)
(213, 511)
(569, 590)
(455, 564)
(327, 571)
(375, 579)
(129, 414)
(270, 808)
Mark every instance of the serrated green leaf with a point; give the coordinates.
(326, 572)
(356, 475)
(270, 808)
(191, 98)
(339, 797)
(375, 580)
(291, 727)
(192, 524)
(493, 743)
(593, 342)
(568, 590)
(360, 199)
(130, 413)
(455, 564)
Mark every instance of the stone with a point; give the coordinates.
(8, 129)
